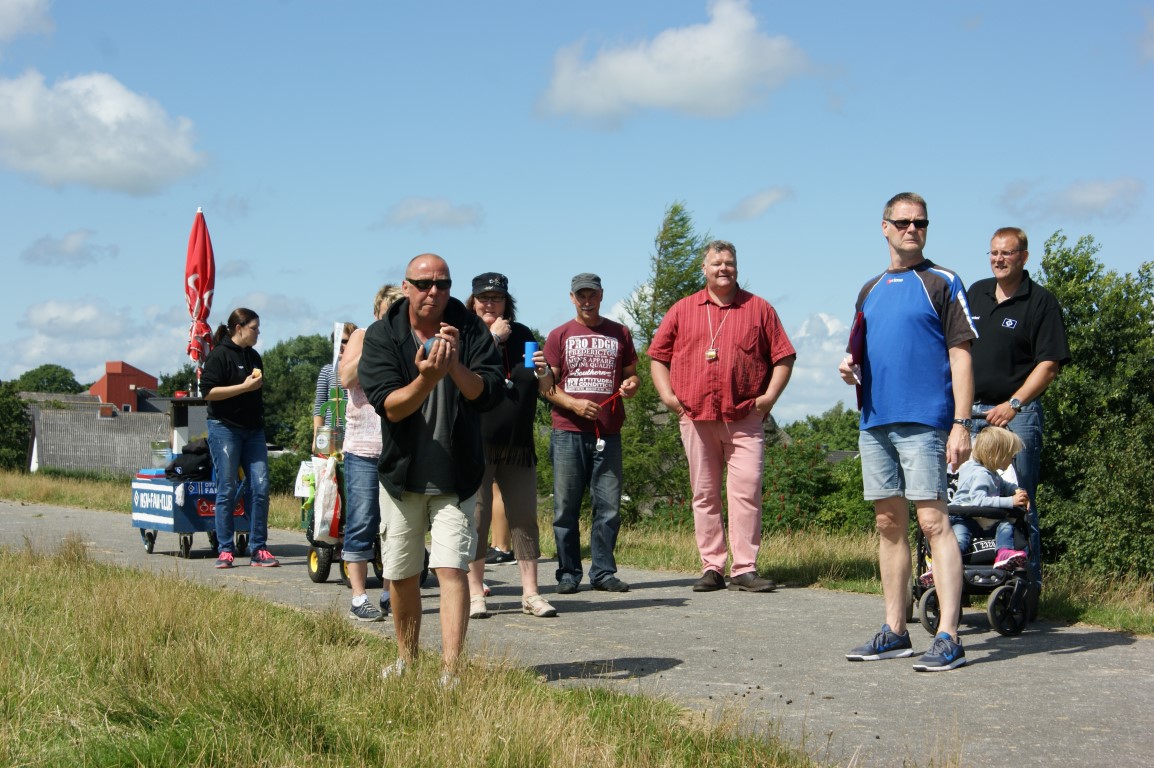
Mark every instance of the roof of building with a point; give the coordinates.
(83, 398)
(81, 439)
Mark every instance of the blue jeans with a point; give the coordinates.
(966, 528)
(233, 449)
(1028, 464)
(362, 508)
(577, 465)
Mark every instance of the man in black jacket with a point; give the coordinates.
(430, 368)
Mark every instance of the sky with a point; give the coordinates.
(329, 143)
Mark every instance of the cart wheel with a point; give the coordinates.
(320, 561)
(185, 545)
(149, 539)
(241, 544)
(1006, 618)
(345, 580)
(213, 541)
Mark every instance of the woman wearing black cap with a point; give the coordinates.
(510, 457)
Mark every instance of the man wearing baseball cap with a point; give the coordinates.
(594, 366)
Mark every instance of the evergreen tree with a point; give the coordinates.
(654, 467)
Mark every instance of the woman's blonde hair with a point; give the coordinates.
(388, 295)
(995, 447)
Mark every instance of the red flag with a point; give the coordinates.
(199, 283)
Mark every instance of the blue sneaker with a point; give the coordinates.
(366, 611)
(944, 654)
(886, 644)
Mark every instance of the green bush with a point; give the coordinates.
(843, 510)
(797, 477)
(282, 471)
(1107, 528)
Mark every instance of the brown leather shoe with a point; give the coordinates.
(710, 581)
(751, 582)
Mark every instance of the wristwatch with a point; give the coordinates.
(1016, 404)
(967, 423)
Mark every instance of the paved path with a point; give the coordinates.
(1055, 696)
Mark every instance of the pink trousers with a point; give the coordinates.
(712, 448)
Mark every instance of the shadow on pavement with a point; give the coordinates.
(606, 669)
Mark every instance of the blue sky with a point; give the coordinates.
(328, 143)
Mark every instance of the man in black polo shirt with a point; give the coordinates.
(1021, 345)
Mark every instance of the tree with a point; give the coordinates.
(674, 273)
(1096, 500)
(835, 430)
(654, 466)
(184, 379)
(15, 428)
(49, 378)
(290, 375)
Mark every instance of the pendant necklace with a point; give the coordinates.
(711, 353)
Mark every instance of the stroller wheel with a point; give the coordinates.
(930, 611)
(1007, 616)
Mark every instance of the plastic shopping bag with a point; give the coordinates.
(327, 505)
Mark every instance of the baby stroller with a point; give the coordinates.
(1011, 593)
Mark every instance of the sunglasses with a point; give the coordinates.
(904, 224)
(424, 285)
(1004, 254)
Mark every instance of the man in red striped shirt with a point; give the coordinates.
(721, 359)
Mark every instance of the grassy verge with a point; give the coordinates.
(842, 562)
(102, 666)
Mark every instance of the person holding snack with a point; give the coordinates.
(232, 383)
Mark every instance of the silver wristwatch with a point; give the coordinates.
(1016, 404)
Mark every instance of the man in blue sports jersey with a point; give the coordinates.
(917, 391)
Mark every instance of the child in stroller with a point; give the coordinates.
(991, 567)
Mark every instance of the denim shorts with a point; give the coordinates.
(903, 460)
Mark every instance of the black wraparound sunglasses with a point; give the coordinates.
(904, 224)
(424, 285)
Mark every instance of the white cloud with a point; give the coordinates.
(815, 386)
(714, 69)
(758, 203)
(433, 213)
(93, 131)
(75, 249)
(1083, 200)
(84, 334)
(24, 17)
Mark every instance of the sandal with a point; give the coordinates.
(535, 605)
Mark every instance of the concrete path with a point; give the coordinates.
(1055, 696)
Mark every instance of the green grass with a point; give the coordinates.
(102, 666)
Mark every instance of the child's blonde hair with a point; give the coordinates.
(996, 447)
